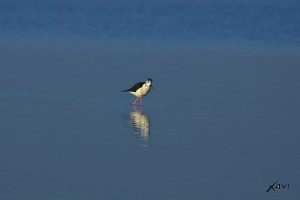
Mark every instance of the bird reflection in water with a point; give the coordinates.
(141, 123)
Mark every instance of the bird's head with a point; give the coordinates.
(149, 82)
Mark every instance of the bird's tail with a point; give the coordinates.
(125, 91)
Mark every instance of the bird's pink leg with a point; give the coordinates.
(134, 107)
(141, 101)
(135, 100)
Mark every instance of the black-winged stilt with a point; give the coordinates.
(140, 90)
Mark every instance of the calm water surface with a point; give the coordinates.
(269, 21)
(221, 123)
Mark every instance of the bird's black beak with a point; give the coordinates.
(152, 87)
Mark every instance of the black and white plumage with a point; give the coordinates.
(140, 90)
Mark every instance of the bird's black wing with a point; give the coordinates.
(135, 87)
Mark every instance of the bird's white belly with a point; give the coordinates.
(143, 91)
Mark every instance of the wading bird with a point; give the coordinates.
(140, 90)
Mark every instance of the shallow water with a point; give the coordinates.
(221, 123)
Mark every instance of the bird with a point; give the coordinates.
(140, 90)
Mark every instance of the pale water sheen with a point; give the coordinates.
(219, 124)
